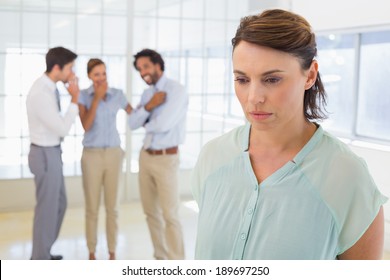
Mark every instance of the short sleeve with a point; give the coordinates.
(355, 200)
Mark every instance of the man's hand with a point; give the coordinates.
(157, 99)
(73, 88)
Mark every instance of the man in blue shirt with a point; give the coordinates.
(162, 112)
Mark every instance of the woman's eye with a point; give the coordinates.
(272, 80)
(241, 80)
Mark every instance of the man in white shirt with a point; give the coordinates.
(162, 112)
(47, 128)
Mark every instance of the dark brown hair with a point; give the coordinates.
(154, 56)
(58, 56)
(290, 33)
(92, 63)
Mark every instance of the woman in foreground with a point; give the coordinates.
(280, 187)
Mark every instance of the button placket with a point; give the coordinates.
(246, 224)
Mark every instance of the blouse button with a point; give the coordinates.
(243, 236)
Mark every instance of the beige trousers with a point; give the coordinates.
(101, 168)
(158, 180)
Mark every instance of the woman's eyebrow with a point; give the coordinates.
(263, 74)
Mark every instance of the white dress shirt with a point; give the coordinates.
(46, 125)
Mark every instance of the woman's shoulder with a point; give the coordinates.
(84, 97)
(223, 149)
(334, 168)
(115, 91)
(86, 91)
(217, 153)
(233, 139)
(338, 152)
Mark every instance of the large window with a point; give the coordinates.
(336, 57)
(374, 95)
(354, 68)
(192, 35)
(27, 30)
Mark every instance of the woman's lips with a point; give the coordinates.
(260, 115)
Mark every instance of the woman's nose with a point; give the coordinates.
(256, 94)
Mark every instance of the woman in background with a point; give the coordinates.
(102, 156)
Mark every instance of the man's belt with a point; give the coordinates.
(167, 151)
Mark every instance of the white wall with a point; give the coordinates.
(332, 14)
(343, 14)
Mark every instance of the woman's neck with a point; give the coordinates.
(282, 138)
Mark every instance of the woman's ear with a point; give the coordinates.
(311, 75)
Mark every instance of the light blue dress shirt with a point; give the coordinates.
(103, 133)
(314, 207)
(164, 125)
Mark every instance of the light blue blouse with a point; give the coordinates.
(314, 207)
(104, 132)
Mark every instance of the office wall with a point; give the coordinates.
(345, 14)
(332, 14)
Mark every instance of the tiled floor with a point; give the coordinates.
(386, 255)
(133, 241)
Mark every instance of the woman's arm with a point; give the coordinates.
(370, 245)
(87, 116)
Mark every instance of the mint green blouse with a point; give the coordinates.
(314, 207)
